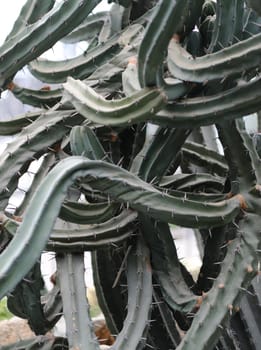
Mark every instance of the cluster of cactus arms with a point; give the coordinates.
(109, 185)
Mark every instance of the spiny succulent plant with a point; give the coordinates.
(191, 69)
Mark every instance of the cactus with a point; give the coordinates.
(189, 71)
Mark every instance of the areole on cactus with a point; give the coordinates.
(191, 68)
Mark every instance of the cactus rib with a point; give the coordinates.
(79, 67)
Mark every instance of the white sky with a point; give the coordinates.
(9, 10)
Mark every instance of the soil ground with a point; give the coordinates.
(14, 330)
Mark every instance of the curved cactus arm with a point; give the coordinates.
(111, 228)
(240, 266)
(31, 237)
(79, 67)
(166, 265)
(31, 12)
(203, 156)
(87, 213)
(34, 140)
(222, 63)
(79, 327)
(159, 204)
(186, 182)
(84, 245)
(42, 98)
(14, 126)
(139, 277)
(97, 24)
(35, 39)
(86, 64)
(170, 17)
(228, 105)
(194, 196)
(230, 61)
(162, 151)
(139, 107)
